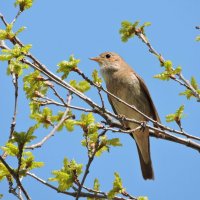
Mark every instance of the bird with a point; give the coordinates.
(123, 82)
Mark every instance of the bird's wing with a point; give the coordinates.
(111, 103)
(143, 86)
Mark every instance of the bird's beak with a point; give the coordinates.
(97, 59)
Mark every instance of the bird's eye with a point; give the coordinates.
(108, 55)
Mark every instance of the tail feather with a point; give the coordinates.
(147, 169)
(143, 145)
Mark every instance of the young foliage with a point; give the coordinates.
(23, 4)
(117, 187)
(44, 117)
(177, 116)
(35, 85)
(142, 198)
(27, 158)
(21, 138)
(188, 93)
(67, 175)
(81, 86)
(105, 144)
(92, 140)
(96, 79)
(68, 123)
(169, 71)
(4, 173)
(8, 33)
(96, 187)
(15, 56)
(197, 38)
(66, 67)
(128, 29)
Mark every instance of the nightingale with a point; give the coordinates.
(122, 81)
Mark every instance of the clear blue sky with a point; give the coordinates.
(87, 28)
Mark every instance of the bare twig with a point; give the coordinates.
(13, 124)
(17, 15)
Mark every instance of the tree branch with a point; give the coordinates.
(13, 174)
(64, 117)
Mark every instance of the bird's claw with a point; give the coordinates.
(143, 126)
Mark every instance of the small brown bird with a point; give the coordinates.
(122, 81)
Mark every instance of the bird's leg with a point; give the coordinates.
(143, 125)
(121, 119)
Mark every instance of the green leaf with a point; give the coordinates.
(169, 71)
(114, 142)
(194, 83)
(96, 187)
(16, 67)
(1, 196)
(11, 149)
(197, 38)
(21, 138)
(34, 85)
(23, 4)
(127, 30)
(44, 117)
(105, 144)
(66, 67)
(82, 86)
(29, 163)
(20, 30)
(15, 56)
(96, 79)
(69, 124)
(117, 187)
(142, 198)
(96, 184)
(168, 65)
(4, 173)
(87, 119)
(147, 24)
(67, 174)
(7, 33)
(188, 93)
(177, 116)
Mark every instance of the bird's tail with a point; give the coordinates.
(142, 140)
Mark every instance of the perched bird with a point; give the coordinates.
(122, 81)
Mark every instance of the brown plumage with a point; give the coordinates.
(122, 81)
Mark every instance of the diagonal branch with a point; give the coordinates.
(183, 82)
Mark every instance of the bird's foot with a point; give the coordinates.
(143, 125)
(122, 118)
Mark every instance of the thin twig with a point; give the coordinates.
(64, 117)
(184, 82)
(90, 159)
(13, 124)
(74, 194)
(13, 174)
(17, 15)
(106, 114)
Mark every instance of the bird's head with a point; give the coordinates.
(108, 61)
